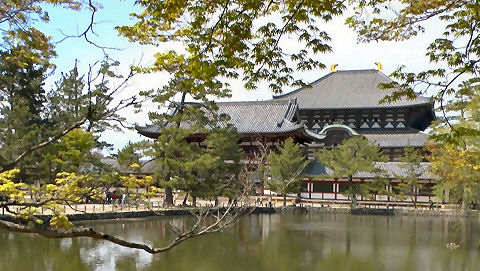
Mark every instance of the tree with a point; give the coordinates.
(69, 188)
(27, 132)
(68, 102)
(231, 39)
(31, 120)
(454, 158)
(130, 155)
(22, 99)
(221, 174)
(285, 168)
(73, 153)
(201, 172)
(454, 56)
(410, 183)
(352, 156)
(458, 173)
(38, 124)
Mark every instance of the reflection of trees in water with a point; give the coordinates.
(250, 234)
(27, 252)
(264, 242)
(107, 256)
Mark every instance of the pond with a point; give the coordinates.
(263, 242)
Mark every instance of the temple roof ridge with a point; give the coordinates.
(233, 103)
(345, 89)
(254, 117)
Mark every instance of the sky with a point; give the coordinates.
(347, 53)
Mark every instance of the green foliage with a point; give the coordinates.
(455, 156)
(377, 186)
(68, 101)
(452, 76)
(233, 39)
(29, 119)
(73, 151)
(410, 180)
(453, 54)
(203, 172)
(25, 201)
(223, 143)
(129, 155)
(457, 165)
(285, 168)
(22, 98)
(353, 155)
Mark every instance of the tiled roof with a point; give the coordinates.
(394, 169)
(407, 130)
(391, 170)
(398, 140)
(261, 117)
(349, 89)
(314, 168)
(256, 117)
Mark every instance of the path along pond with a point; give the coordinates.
(263, 242)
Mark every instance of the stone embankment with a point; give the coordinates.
(300, 209)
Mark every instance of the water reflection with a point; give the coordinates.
(262, 242)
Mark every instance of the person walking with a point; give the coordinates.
(115, 196)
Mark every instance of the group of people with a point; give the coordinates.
(115, 197)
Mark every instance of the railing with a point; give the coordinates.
(157, 205)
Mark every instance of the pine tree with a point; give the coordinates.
(285, 168)
(352, 156)
(410, 183)
(68, 102)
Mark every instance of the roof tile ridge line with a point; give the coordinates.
(359, 70)
(300, 88)
(280, 122)
(137, 127)
(292, 107)
(325, 76)
(253, 102)
(429, 98)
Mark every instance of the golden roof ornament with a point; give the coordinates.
(379, 66)
(333, 68)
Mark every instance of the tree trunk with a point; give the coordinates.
(354, 196)
(168, 197)
(184, 203)
(284, 199)
(216, 202)
(194, 201)
(464, 198)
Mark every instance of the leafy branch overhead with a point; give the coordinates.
(454, 55)
(234, 39)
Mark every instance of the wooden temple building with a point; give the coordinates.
(340, 105)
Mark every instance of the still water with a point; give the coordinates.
(263, 242)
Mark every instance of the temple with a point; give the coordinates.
(340, 105)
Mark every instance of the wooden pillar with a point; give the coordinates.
(389, 190)
(335, 188)
(361, 183)
(310, 188)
